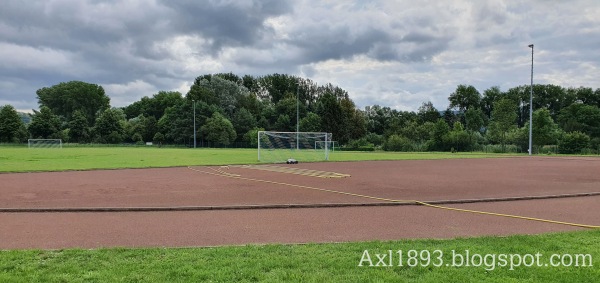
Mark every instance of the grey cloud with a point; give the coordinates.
(232, 24)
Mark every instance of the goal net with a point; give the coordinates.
(278, 147)
(44, 143)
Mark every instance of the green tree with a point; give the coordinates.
(79, 131)
(502, 121)
(439, 136)
(310, 123)
(330, 112)
(474, 119)
(12, 128)
(354, 124)
(474, 122)
(109, 126)
(243, 122)
(154, 106)
(251, 137)
(544, 130)
(284, 123)
(177, 124)
(464, 98)
(428, 113)
(458, 138)
(580, 117)
(158, 138)
(219, 130)
(44, 124)
(64, 98)
(215, 90)
(490, 96)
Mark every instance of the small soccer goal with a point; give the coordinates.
(44, 143)
(331, 145)
(279, 147)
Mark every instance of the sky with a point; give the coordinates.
(397, 54)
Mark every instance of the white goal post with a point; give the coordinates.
(278, 147)
(44, 143)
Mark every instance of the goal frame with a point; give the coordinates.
(31, 141)
(327, 141)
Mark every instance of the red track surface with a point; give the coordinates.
(425, 180)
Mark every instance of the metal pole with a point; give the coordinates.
(194, 105)
(297, 116)
(531, 104)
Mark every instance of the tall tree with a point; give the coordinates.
(490, 96)
(176, 125)
(465, 97)
(243, 122)
(503, 120)
(12, 128)
(354, 125)
(44, 124)
(330, 112)
(78, 128)
(110, 126)
(544, 130)
(64, 98)
(439, 136)
(217, 91)
(428, 113)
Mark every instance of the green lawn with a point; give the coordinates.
(20, 159)
(312, 262)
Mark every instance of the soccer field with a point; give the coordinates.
(20, 159)
(312, 262)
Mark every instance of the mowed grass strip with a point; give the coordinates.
(309, 262)
(20, 159)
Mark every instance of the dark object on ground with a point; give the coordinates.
(292, 161)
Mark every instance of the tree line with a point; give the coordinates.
(230, 109)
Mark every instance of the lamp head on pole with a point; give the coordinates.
(530, 45)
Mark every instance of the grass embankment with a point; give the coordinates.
(19, 159)
(310, 263)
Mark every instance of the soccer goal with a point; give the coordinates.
(44, 143)
(331, 145)
(278, 147)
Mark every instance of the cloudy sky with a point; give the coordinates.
(392, 53)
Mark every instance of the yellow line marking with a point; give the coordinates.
(395, 200)
(296, 171)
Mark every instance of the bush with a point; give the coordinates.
(574, 142)
(398, 143)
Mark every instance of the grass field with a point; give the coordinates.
(20, 159)
(307, 263)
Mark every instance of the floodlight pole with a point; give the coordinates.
(297, 116)
(531, 103)
(194, 106)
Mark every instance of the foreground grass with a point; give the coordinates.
(307, 263)
(20, 159)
